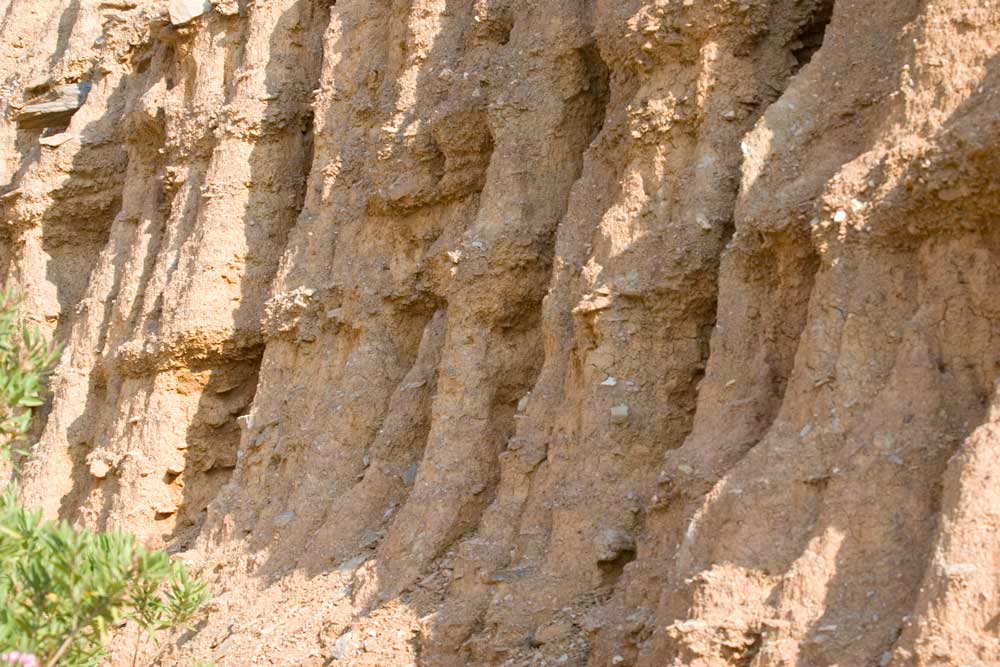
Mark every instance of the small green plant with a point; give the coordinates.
(62, 589)
(25, 360)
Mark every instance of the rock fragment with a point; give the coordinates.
(99, 469)
(224, 648)
(164, 508)
(410, 475)
(56, 140)
(227, 7)
(342, 646)
(284, 518)
(353, 564)
(55, 108)
(183, 11)
(553, 633)
(611, 543)
(619, 414)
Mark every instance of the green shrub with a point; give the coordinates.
(62, 589)
(25, 360)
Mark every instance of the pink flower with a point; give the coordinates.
(18, 659)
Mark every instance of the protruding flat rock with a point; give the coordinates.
(56, 140)
(55, 107)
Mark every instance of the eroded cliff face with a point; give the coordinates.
(498, 332)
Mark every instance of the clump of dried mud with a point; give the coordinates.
(499, 332)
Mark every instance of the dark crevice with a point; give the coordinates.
(611, 571)
(212, 441)
(744, 656)
(497, 26)
(599, 87)
(810, 36)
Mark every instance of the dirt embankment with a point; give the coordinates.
(499, 332)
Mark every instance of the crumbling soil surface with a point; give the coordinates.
(523, 332)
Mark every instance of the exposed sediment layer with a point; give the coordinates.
(483, 332)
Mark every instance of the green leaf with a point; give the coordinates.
(59, 585)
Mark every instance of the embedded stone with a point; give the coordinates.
(342, 647)
(99, 469)
(619, 414)
(284, 518)
(611, 543)
(54, 108)
(183, 11)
